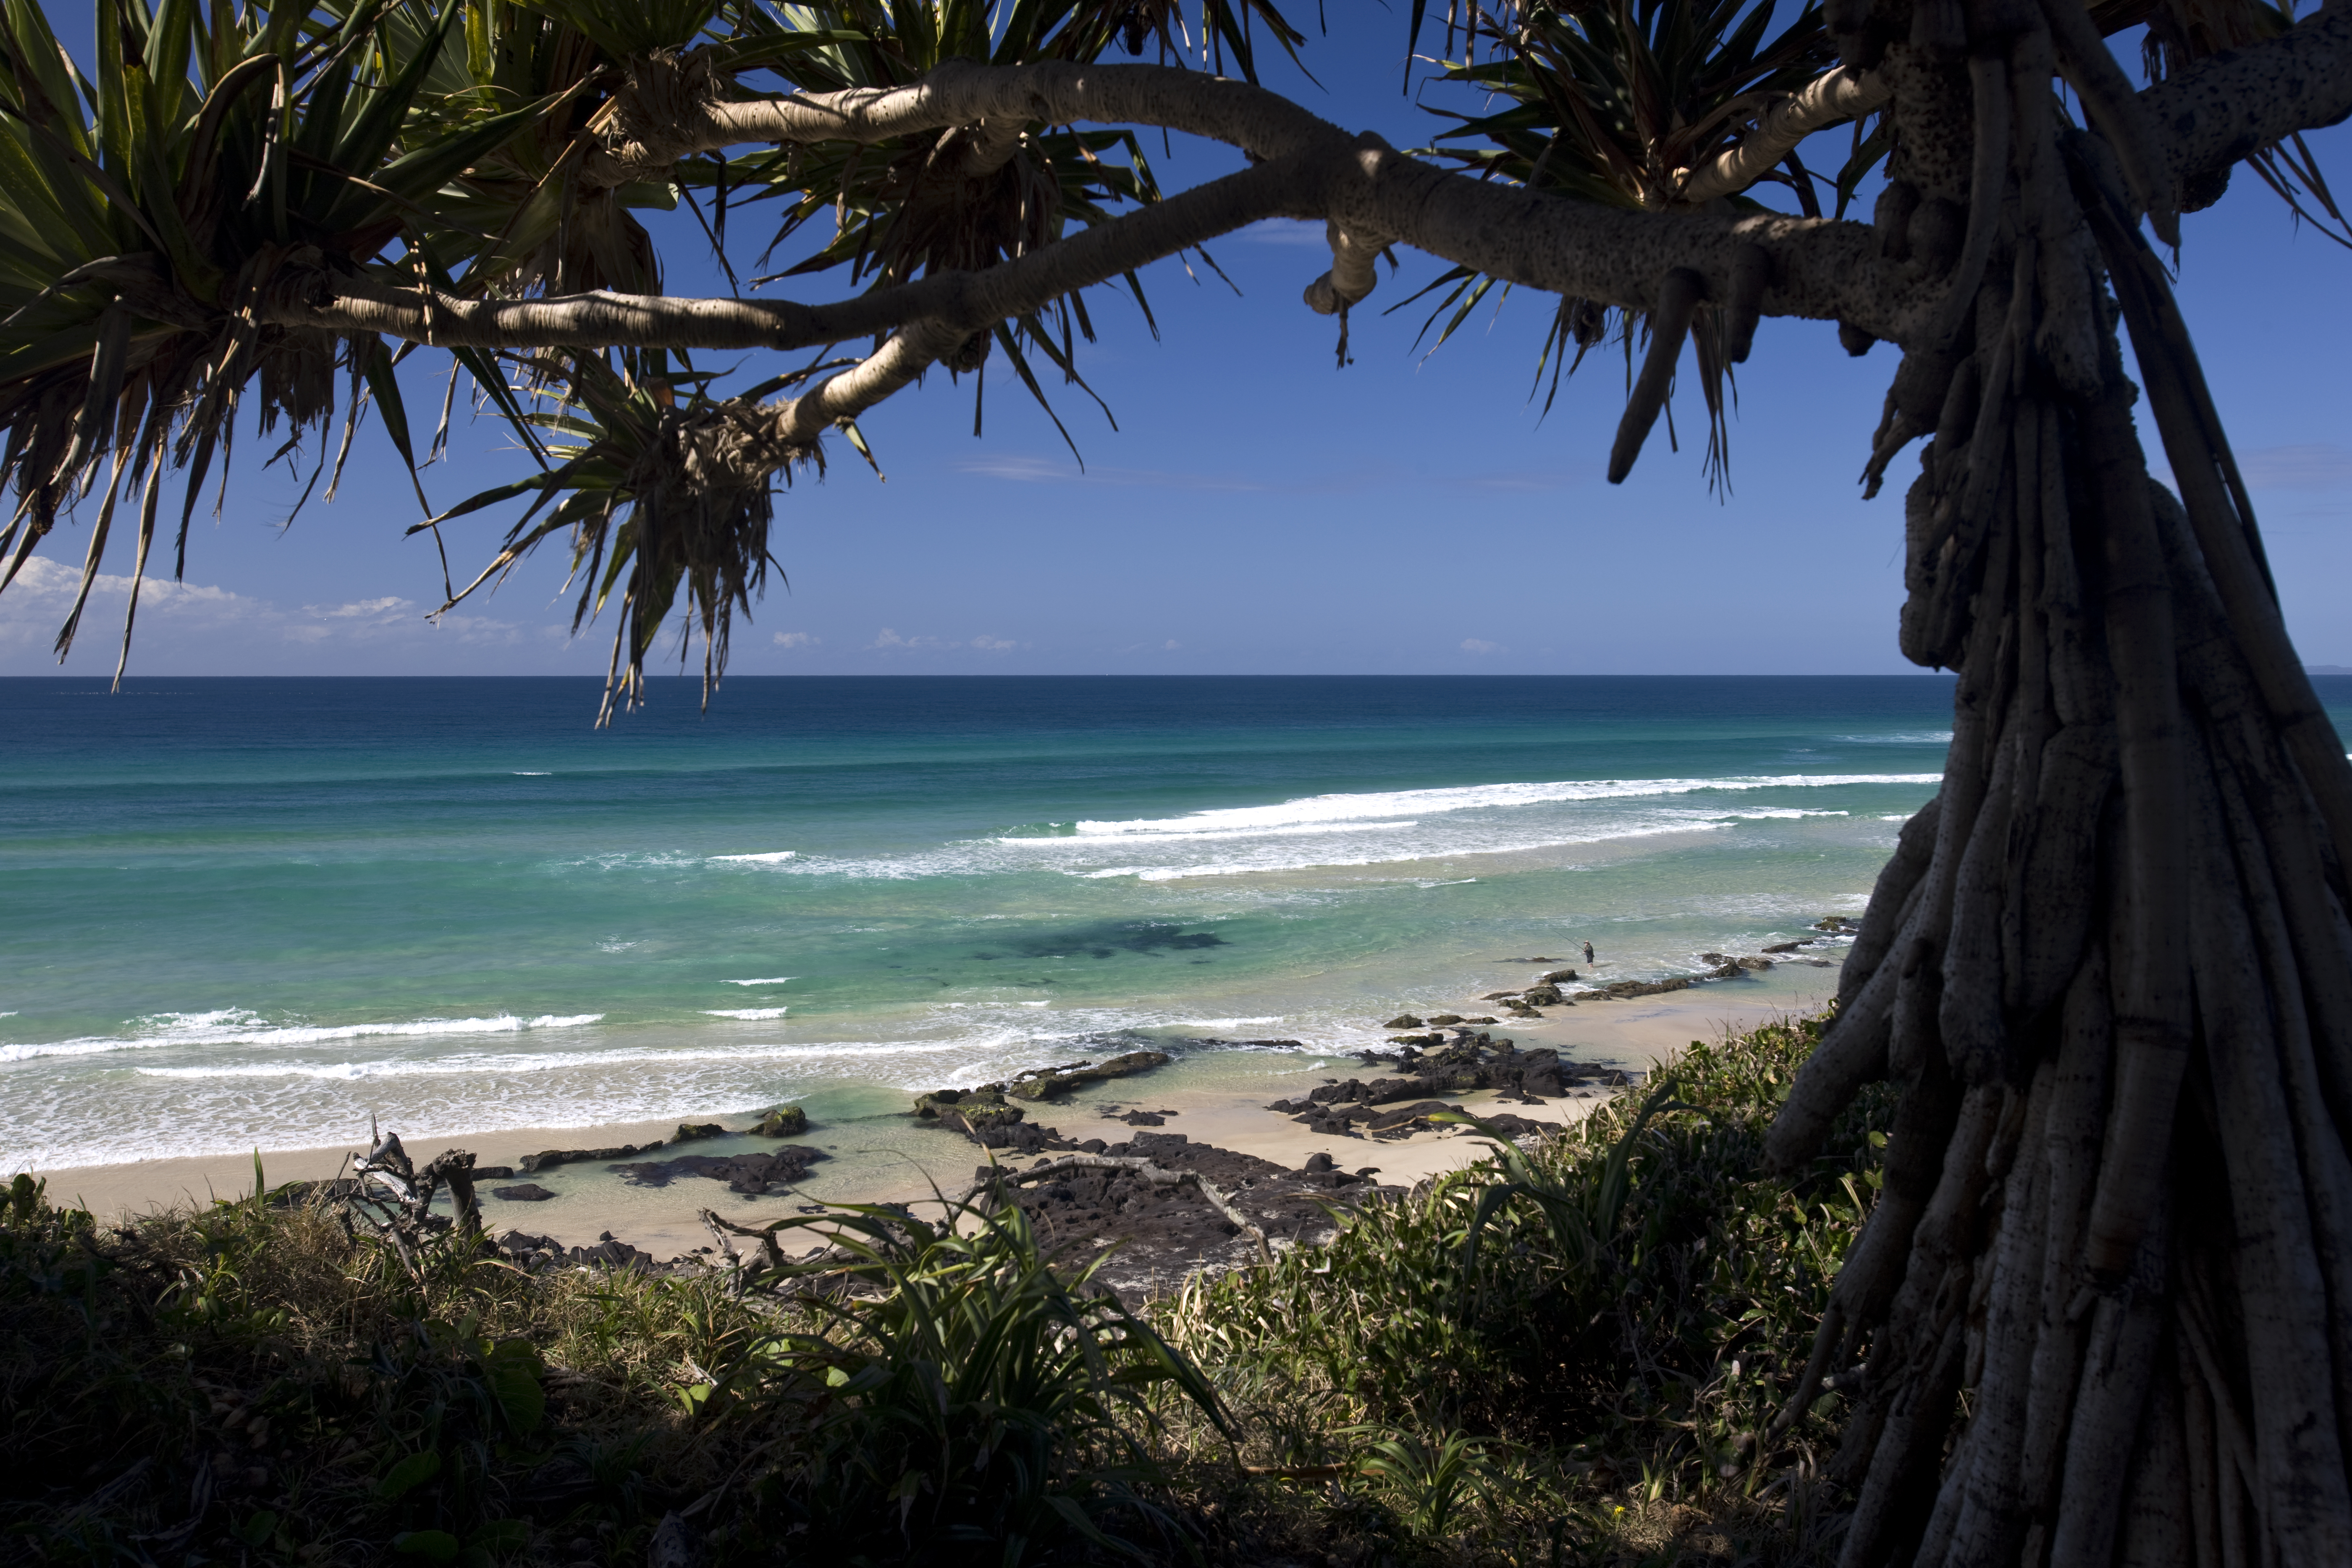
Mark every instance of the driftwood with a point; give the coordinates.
(394, 1196)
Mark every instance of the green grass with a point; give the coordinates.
(1564, 1355)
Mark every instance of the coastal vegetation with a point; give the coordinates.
(2101, 1308)
(1572, 1352)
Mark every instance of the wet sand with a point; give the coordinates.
(1216, 1097)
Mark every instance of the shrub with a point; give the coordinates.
(1622, 1308)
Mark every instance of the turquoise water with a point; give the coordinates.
(254, 912)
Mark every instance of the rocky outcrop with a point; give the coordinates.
(781, 1121)
(1047, 1082)
(688, 1131)
(1470, 1062)
(748, 1174)
(537, 1252)
(527, 1193)
(548, 1159)
(1402, 1021)
(1166, 1234)
(1557, 975)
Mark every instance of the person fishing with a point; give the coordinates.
(1588, 952)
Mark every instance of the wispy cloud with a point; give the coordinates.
(797, 639)
(1481, 646)
(1025, 471)
(179, 615)
(2317, 466)
(890, 641)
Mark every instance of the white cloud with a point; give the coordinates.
(181, 619)
(2317, 466)
(1171, 645)
(1481, 646)
(890, 641)
(376, 610)
(797, 639)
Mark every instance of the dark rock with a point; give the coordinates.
(751, 1174)
(1713, 960)
(1544, 996)
(548, 1159)
(1557, 975)
(932, 1106)
(689, 1131)
(607, 1254)
(1318, 1162)
(1754, 964)
(1623, 988)
(1511, 1126)
(1782, 947)
(1020, 1137)
(1093, 1146)
(1388, 1119)
(1045, 1084)
(1330, 1126)
(1289, 1106)
(781, 1121)
(1439, 1020)
(1166, 1235)
(492, 1173)
(1143, 1118)
(1402, 1021)
(529, 1193)
(1499, 996)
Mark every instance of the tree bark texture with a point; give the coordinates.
(2104, 1306)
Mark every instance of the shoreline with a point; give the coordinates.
(1630, 1035)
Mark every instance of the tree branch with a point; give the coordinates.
(2232, 105)
(962, 92)
(837, 399)
(1844, 93)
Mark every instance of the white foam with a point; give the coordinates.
(1691, 823)
(771, 858)
(1219, 1022)
(531, 772)
(749, 1014)
(1329, 808)
(771, 980)
(235, 1026)
(1284, 830)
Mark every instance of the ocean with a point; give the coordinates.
(251, 913)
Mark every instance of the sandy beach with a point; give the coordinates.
(888, 1157)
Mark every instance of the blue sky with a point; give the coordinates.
(1260, 510)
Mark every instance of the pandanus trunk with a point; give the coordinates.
(2104, 1308)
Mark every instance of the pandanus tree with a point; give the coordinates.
(2102, 1309)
